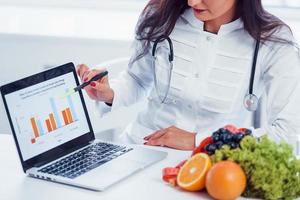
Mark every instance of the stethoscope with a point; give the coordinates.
(170, 59)
(250, 99)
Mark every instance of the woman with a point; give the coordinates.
(214, 42)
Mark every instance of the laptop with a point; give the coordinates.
(55, 139)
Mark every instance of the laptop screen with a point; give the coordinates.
(43, 117)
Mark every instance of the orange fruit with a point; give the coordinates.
(226, 180)
(192, 174)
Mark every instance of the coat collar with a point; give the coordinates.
(189, 16)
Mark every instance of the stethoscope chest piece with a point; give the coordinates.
(251, 102)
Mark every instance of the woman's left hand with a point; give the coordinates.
(172, 137)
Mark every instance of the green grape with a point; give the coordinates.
(272, 170)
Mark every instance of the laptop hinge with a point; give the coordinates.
(91, 142)
(39, 164)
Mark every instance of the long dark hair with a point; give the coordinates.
(159, 18)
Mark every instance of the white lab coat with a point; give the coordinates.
(209, 81)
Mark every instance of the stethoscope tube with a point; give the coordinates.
(171, 59)
(250, 99)
(161, 39)
(253, 69)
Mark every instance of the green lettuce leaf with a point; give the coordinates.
(272, 170)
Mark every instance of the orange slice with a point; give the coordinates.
(192, 175)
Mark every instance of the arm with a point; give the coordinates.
(134, 83)
(282, 83)
(281, 79)
(129, 87)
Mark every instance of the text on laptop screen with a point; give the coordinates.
(43, 118)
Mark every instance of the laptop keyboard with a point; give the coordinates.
(85, 160)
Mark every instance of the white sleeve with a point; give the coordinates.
(132, 84)
(282, 85)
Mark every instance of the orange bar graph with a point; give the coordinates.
(34, 127)
(52, 120)
(48, 125)
(69, 114)
(65, 116)
(32, 141)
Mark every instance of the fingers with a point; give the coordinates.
(81, 70)
(149, 136)
(157, 138)
(172, 137)
(104, 80)
(156, 134)
(98, 86)
(156, 142)
(88, 76)
(159, 132)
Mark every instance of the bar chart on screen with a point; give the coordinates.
(55, 120)
(43, 119)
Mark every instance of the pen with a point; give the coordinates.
(83, 85)
(95, 78)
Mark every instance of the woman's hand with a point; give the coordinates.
(97, 90)
(172, 137)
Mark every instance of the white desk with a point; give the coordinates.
(147, 184)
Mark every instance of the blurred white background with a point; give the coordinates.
(38, 34)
